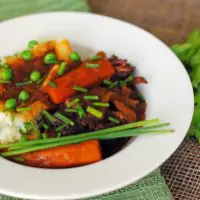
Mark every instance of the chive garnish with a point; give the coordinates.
(73, 102)
(110, 84)
(101, 104)
(129, 130)
(92, 65)
(62, 68)
(45, 126)
(23, 139)
(91, 97)
(94, 58)
(81, 111)
(64, 118)
(49, 117)
(71, 110)
(52, 84)
(58, 134)
(107, 82)
(2, 81)
(36, 130)
(44, 136)
(20, 84)
(94, 112)
(80, 89)
(115, 120)
(60, 128)
(124, 83)
(40, 80)
(23, 109)
(18, 159)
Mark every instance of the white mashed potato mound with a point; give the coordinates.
(10, 128)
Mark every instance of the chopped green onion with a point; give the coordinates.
(2, 81)
(36, 130)
(44, 136)
(115, 120)
(114, 84)
(101, 104)
(23, 109)
(94, 58)
(60, 128)
(62, 68)
(73, 102)
(124, 83)
(110, 84)
(45, 126)
(58, 134)
(49, 117)
(70, 110)
(52, 84)
(81, 111)
(23, 139)
(20, 84)
(92, 65)
(94, 112)
(40, 80)
(64, 119)
(91, 97)
(80, 89)
(107, 82)
(18, 159)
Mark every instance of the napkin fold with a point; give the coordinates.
(153, 186)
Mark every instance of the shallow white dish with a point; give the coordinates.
(169, 96)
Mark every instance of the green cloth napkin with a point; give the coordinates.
(152, 187)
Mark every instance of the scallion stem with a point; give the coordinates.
(22, 109)
(101, 104)
(92, 97)
(73, 102)
(20, 84)
(64, 118)
(49, 117)
(94, 112)
(92, 65)
(80, 89)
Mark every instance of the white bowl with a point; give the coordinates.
(169, 96)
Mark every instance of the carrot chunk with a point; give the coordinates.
(81, 76)
(64, 156)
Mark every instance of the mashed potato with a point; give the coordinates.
(9, 128)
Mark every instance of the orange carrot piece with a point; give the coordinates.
(81, 76)
(64, 156)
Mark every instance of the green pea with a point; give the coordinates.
(26, 55)
(11, 103)
(75, 56)
(35, 76)
(50, 58)
(7, 74)
(32, 43)
(24, 95)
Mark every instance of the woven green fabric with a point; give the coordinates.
(152, 187)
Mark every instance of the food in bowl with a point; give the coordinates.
(57, 110)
